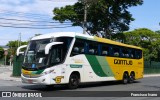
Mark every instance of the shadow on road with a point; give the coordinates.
(64, 87)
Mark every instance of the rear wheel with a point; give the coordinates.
(73, 81)
(125, 78)
(132, 78)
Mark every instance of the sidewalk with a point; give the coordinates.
(6, 74)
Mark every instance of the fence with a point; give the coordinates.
(17, 65)
(151, 67)
(2, 62)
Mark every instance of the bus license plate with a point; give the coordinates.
(30, 81)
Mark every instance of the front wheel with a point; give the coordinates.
(73, 81)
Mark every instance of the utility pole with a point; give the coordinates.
(86, 4)
(85, 17)
(19, 40)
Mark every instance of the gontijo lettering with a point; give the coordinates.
(123, 62)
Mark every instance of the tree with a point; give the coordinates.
(103, 16)
(1, 52)
(146, 39)
(13, 45)
(158, 31)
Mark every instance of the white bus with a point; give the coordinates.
(72, 58)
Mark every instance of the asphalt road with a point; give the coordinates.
(145, 84)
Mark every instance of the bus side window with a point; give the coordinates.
(132, 54)
(105, 50)
(93, 48)
(125, 52)
(138, 54)
(76, 50)
(116, 51)
(78, 47)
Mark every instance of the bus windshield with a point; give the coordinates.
(35, 53)
(35, 57)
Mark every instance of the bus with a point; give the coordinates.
(73, 58)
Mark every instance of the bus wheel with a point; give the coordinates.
(132, 78)
(73, 81)
(125, 78)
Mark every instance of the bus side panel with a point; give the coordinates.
(140, 69)
(114, 67)
(99, 68)
(74, 64)
(121, 65)
(93, 68)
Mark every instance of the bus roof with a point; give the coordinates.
(82, 36)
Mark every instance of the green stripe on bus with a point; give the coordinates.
(37, 72)
(105, 66)
(95, 65)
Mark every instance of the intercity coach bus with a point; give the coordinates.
(71, 58)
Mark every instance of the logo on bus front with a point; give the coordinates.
(58, 79)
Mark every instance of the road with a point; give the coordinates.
(145, 84)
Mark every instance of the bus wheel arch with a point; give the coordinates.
(125, 77)
(74, 80)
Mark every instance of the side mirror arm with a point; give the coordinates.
(19, 48)
(48, 46)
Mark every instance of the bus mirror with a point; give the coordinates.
(48, 46)
(19, 49)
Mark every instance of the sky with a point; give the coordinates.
(31, 14)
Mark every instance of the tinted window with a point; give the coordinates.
(56, 55)
(92, 48)
(138, 54)
(58, 52)
(78, 47)
(95, 48)
(116, 51)
(125, 52)
(105, 50)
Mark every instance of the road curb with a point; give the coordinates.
(151, 75)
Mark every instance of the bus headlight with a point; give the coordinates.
(47, 72)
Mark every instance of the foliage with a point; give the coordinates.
(147, 39)
(1, 52)
(13, 45)
(103, 16)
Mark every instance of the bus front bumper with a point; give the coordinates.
(38, 80)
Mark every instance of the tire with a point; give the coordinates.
(125, 78)
(131, 78)
(73, 81)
